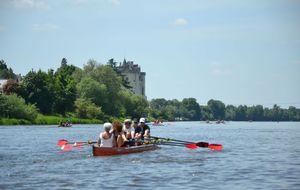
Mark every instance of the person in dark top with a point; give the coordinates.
(145, 133)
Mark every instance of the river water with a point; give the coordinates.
(257, 155)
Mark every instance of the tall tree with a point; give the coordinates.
(217, 108)
(193, 109)
(230, 113)
(241, 113)
(106, 76)
(65, 89)
(36, 90)
(5, 72)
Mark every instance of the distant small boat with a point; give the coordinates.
(65, 124)
(107, 151)
(220, 121)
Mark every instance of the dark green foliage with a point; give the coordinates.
(172, 110)
(36, 88)
(12, 106)
(189, 109)
(217, 109)
(192, 108)
(134, 106)
(88, 110)
(63, 88)
(5, 72)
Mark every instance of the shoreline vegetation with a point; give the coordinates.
(55, 120)
(99, 93)
(47, 120)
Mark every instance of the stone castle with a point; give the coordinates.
(133, 75)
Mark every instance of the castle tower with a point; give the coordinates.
(133, 75)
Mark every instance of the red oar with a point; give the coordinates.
(66, 145)
(191, 145)
(217, 147)
(62, 142)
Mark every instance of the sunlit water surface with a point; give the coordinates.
(257, 155)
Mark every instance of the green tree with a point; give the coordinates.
(13, 106)
(241, 113)
(158, 103)
(157, 108)
(5, 72)
(230, 113)
(193, 109)
(65, 89)
(93, 90)
(217, 108)
(255, 113)
(105, 75)
(87, 109)
(135, 106)
(36, 90)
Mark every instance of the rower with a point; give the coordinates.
(145, 134)
(106, 138)
(129, 132)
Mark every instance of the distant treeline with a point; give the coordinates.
(98, 91)
(189, 109)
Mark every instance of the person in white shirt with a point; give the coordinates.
(129, 132)
(128, 129)
(106, 138)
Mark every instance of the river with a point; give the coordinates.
(256, 155)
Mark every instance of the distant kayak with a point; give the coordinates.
(107, 151)
(65, 124)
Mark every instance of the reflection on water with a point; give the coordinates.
(255, 156)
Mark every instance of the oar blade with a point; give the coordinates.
(62, 142)
(215, 147)
(67, 147)
(191, 146)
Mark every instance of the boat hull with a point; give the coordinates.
(107, 151)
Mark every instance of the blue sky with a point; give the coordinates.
(239, 52)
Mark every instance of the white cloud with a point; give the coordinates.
(95, 2)
(24, 3)
(81, 2)
(45, 27)
(30, 4)
(180, 22)
(115, 2)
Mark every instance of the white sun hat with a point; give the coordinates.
(142, 120)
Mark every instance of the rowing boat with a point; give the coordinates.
(108, 151)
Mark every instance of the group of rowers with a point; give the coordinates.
(131, 133)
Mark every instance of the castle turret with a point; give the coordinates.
(133, 75)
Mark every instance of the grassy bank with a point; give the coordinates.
(47, 120)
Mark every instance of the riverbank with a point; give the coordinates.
(47, 120)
